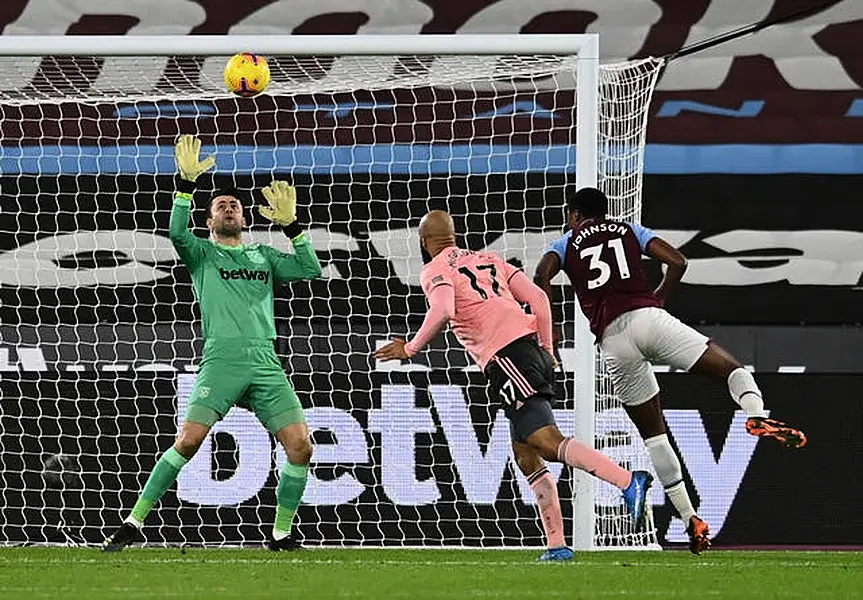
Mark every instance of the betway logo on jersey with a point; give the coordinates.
(244, 274)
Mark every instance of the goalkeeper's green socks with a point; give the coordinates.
(289, 493)
(163, 476)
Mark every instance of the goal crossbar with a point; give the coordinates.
(585, 45)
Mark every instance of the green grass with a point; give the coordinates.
(420, 574)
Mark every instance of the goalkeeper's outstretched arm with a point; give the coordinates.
(303, 264)
(188, 245)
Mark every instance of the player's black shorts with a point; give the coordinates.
(522, 376)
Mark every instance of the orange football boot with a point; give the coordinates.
(698, 532)
(787, 435)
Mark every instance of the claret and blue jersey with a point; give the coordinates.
(602, 258)
(642, 234)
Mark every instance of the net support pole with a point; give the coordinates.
(587, 134)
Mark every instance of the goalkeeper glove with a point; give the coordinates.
(282, 209)
(186, 153)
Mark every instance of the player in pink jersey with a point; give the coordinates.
(602, 258)
(480, 295)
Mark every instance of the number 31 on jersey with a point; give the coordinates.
(598, 264)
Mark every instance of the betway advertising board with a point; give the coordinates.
(411, 459)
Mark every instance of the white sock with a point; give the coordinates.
(744, 391)
(280, 535)
(680, 499)
(670, 473)
(133, 521)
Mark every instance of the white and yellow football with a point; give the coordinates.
(247, 74)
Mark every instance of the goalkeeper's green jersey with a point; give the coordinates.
(235, 285)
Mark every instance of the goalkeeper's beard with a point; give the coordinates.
(228, 230)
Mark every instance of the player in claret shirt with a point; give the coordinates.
(235, 284)
(480, 295)
(602, 258)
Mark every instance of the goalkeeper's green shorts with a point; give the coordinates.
(247, 375)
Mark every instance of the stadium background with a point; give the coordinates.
(754, 166)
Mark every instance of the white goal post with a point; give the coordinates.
(432, 76)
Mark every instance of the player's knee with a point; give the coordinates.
(299, 450)
(548, 441)
(548, 451)
(716, 362)
(647, 417)
(188, 443)
(546, 444)
(528, 461)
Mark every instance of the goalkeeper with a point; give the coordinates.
(234, 284)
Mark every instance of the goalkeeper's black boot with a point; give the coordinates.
(125, 535)
(286, 544)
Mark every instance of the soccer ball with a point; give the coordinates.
(247, 74)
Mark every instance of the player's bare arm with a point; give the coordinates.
(547, 269)
(395, 350)
(675, 262)
(525, 291)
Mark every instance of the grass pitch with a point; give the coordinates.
(420, 574)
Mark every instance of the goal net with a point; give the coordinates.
(99, 332)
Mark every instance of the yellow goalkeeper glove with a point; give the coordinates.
(186, 153)
(282, 200)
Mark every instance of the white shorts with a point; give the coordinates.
(643, 336)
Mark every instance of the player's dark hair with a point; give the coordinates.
(227, 191)
(590, 202)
